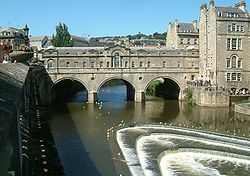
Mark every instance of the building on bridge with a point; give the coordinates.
(136, 66)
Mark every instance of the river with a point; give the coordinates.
(80, 129)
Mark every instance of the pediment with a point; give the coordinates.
(141, 51)
(117, 47)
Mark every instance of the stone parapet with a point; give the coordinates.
(210, 97)
(242, 108)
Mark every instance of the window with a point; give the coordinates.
(101, 64)
(67, 65)
(108, 65)
(239, 44)
(234, 76)
(84, 64)
(240, 63)
(188, 41)
(242, 28)
(50, 64)
(233, 62)
(133, 64)
(238, 28)
(228, 76)
(148, 64)
(239, 77)
(179, 64)
(76, 64)
(233, 27)
(163, 64)
(141, 63)
(234, 44)
(193, 64)
(195, 41)
(116, 60)
(192, 77)
(228, 44)
(181, 41)
(126, 64)
(228, 63)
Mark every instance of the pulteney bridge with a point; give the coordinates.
(137, 67)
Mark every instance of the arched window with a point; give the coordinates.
(51, 64)
(233, 61)
(116, 60)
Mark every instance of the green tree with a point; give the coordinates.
(62, 37)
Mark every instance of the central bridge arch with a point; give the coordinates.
(130, 88)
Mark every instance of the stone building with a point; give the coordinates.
(39, 42)
(182, 35)
(15, 37)
(224, 45)
(80, 41)
(147, 42)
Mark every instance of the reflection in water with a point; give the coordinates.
(80, 130)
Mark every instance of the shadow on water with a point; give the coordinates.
(73, 154)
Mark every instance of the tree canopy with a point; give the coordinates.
(62, 37)
(156, 35)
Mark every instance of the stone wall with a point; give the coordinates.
(210, 97)
(16, 115)
(12, 86)
(242, 108)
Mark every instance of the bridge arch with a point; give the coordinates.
(171, 84)
(67, 85)
(72, 79)
(130, 87)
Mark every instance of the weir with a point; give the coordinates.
(150, 144)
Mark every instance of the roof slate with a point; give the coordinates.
(184, 27)
(229, 10)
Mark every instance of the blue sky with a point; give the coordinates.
(101, 17)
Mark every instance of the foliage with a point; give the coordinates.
(152, 89)
(188, 92)
(62, 37)
(156, 35)
(160, 36)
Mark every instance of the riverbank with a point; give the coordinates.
(242, 108)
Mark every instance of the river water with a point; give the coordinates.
(85, 137)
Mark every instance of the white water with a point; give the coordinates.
(155, 138)
(190, 163)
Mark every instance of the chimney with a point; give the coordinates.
(211, 2)
(241, 5)
(195, 24)
(203, 6)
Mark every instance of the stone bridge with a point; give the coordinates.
(136, 66)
